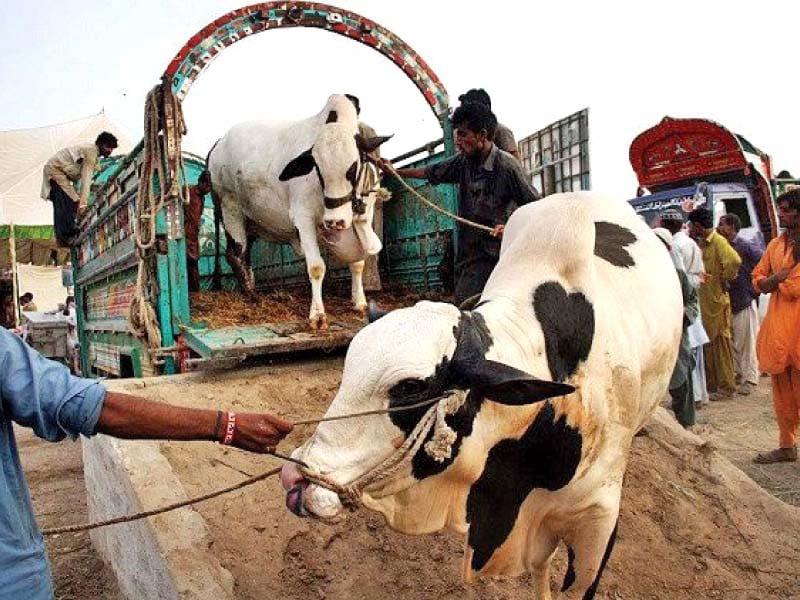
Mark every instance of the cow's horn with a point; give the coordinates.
(371, 143)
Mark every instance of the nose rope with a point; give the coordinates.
(351, 493)
(439, 448)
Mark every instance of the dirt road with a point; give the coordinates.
(717, 544)
(55, 476)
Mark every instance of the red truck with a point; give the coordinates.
(688, 163)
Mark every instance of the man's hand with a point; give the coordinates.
(385, 165)
(705, 277)
(782, 274)
(131, 417)
(498, 230)
(259, 432)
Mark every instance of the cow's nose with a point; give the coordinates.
(334, 224)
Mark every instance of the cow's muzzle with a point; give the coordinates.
(306, 499)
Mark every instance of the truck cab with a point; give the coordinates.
(691, 163)
(720, 198)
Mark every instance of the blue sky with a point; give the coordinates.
(631, 63)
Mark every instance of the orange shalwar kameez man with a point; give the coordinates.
(778, 346)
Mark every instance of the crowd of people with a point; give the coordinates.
(724, 348)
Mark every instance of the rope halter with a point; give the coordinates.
(439, 448)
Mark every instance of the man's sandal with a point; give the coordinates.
(776, 456)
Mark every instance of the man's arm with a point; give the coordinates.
(130, 417)
(65, 184)
(447, 171)
(43, 395)
(411, 173)
(87, 171)
(730, 259)
(763, 279)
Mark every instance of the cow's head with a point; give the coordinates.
(431, 350)
(339, 158)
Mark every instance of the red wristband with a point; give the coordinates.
(230, 428)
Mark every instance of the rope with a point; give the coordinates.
(430, 204)
(346, 491)
(158, 511)
(161, 161)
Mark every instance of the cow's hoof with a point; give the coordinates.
(361, 309)
(318, 322)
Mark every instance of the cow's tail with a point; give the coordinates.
(208, 156)
(218, 225)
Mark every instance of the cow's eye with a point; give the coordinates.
(351, 173)
(409, 387)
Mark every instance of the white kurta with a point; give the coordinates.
(693, 262)
(68, 166)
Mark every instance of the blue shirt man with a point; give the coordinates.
(42, 395)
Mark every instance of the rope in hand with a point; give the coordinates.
(388, 167)
(242, 484)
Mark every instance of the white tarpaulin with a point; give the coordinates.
(45, 285)
(23, 153)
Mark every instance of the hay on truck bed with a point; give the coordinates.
(225, 308)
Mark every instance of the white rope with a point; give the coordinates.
(433, 206)
(439, 448)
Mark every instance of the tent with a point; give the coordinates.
(24, 216)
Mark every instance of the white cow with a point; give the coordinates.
(545, 383)
(305, 183)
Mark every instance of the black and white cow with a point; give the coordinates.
(546, 382)
(305, 183)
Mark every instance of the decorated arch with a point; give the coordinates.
(209, 42)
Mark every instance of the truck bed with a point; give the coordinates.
(229, 325)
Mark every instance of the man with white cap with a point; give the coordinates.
(680, 384)
(673, 221)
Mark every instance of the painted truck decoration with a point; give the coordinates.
(689, 163)
(105, 258)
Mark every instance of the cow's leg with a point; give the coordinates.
(236, 237)
(357, 287)
(541, 553)
(589, 548)
(316, 273)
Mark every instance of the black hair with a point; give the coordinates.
(671, 225)
(475, 117)
(703, 217)
(27, 295)
(792, 197)
(106, 139)
(478, 96)
(732, 220)
(205, 177)
(356, 102)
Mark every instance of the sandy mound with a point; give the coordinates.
(692, 525)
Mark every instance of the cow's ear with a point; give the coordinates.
(508, 385)
(371, 143)
(470, 369)
(298, 166)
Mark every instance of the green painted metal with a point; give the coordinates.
(223, 342)
(28, 232)
(415, 237)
